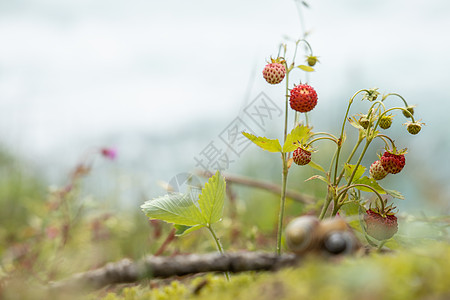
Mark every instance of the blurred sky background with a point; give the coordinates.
(159, 80)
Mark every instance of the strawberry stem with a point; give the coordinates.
(343, 191)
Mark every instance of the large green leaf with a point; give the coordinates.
(212, 199)
(370, 182)
(349, 171)
(174, 208)
(298, 135)
(270, 145)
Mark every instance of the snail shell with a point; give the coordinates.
(301, 234)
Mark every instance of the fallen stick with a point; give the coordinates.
(127, 271)
(265, 185)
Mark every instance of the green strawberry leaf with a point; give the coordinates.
(370, 182)
(395, 194)
(306, 68)
(318, 177)
(351, 208)
(174, 208)
(299, 134)
(316, 166)
(183, 229)
(349, 171)
(212, 198)
(263, 142)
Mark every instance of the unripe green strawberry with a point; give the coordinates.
(413, 127)
(410, 109)
(301, 156)
(393, 161)
(364, 122)
(371, 94)
(386, 121)
(380, 227)
(311, 60)
(303, 98)
(377, 171)
(275, 71)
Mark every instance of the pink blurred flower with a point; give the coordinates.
(109, 153)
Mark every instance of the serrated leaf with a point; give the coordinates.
(174, 208)
(351, 208)
(370, 182)
(306, 68)
(271, 145)
(318, 177)
(316, 166)
(212, 199)
(183, 229)
(349, 171)
(299, 134)
(395, 194)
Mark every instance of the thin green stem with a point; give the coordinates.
(380, 246)
(358, 162)
(391, 109)
(341, 136)
(321, 138)
(350, 158)
(323, 133)
(344, 190)
(284, 158)
(384, 137)
(398, 95)
(282, 203)
(219, 246)
(326, 204)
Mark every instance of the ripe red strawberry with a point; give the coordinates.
(301, 156)
(377, 171)
(380, 227)
(275, 71)
(303, 98)
(393, 161)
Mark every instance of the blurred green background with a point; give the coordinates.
(158, 81)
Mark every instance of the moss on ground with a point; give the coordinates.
(417, 273)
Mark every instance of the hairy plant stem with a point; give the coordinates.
(219, 246)
(284, 159)
(350, 158)
(282, 203)
(336, 200)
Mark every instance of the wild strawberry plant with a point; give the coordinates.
(189, 211)
(344, 179)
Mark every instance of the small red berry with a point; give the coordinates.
(301, 156)
(377, 171)
(393, 162)
(380, 227)
(303, 98)
(274, 72)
